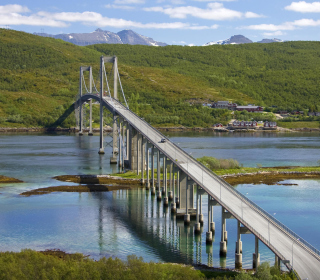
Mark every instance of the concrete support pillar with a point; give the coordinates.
(120, 145)
(80, 104)
(186, 194)
(143, 153)
(115, 148)
(223, 243)
(158, 170)
(197, 226)
(256, 255)
(172, 183)
(90, 133)
(128, 140)
(101, 150)
(138, 152)
(200, 207)
(152, 168)
(124, 149)
(187, 215)
(133, 149)
(164, 179)
(177, 199)
(277, 261)
(209, 233)
(147, 167)
(238, 256)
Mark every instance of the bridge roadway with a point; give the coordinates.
(283, 242)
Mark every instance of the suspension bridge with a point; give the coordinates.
(135, 144)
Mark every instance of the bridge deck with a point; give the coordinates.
(278, 238)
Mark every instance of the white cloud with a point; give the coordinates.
(214, 11)
(126, 2)
(7, 9)
(9, 17)
(271, 27)
(272, 34)
(252, 15)
(122, 7)
(215, 0)
(306, 22)
(33, 20)
(92, 18)
(304, 7)
(284, 26)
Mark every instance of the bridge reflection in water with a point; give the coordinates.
(162, 234)
(135, 143)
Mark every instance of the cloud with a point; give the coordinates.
(110, 6)
(215, 0)
(11, 15)
(126, 2)
(96, 19)
(13, 9)
(33, 20)
(214, 11)
(285, 26)
(272, 34)
(304, 7)
(306, 22)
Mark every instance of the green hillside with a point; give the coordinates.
(282, 74)
(39, 79)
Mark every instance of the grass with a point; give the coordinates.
(298, 124)
(55, 264)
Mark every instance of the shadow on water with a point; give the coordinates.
(151, 224)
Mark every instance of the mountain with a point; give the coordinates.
(100, 36)
(240, 39)
(264, 41)
(236, 39)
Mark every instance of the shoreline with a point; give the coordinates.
(167, 129)
(106, 183)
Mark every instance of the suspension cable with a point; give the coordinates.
(85, 84)
(105, 74)
(94, 84)
(122, 89)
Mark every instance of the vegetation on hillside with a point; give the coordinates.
(29, 264)
(39, 79)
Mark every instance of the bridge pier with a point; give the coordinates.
(153, 189)
(147, 166)
(158, 170)
(143, 153)
(177, 198)
(90, 133)
(224, 234)
(256, 255)
(164, 175)
(197, 226)
(238, 256)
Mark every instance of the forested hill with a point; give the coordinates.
(283, 74)
(39, 78)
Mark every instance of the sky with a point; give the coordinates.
(175, 22)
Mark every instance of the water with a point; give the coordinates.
(122, 222)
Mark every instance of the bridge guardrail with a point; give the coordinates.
(238, 194)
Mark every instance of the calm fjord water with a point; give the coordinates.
(121, 223)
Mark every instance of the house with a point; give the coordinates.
(250, 108)
(311, 114)
(218, 125)
(270, 124)
(224, 105)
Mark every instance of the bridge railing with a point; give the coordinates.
(280, 225)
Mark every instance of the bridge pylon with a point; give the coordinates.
(79, 110)
(114, 125)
